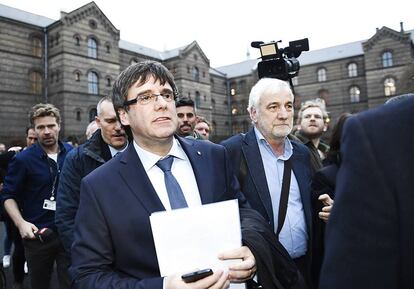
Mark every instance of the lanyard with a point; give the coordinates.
(52, 193)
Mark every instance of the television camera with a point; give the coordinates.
(280, 63)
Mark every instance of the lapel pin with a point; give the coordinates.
(199, 153)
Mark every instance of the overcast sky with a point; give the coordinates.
(225, 28)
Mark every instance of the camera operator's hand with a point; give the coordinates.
(219, 280)
(27, 230)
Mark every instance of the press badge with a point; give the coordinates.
(49, 205)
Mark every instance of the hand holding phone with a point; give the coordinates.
(196, 275)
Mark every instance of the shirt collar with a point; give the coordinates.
(288, 148)
(114, 151)
(149, 159)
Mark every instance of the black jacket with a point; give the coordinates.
(276, 270)
(79, 163)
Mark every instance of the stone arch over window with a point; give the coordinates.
(387, 59)
(36, 82)
(77, 38)
(321, 73)
(92, 47)
(389, 86)
(78, 114)
(93, 82)
(92, 113)
(108, 80)
(77, 75)
(197, 99)
(195, 73)
(352, 69)
(354, 93)
(36, 46)
(214, 127)
(108, 47)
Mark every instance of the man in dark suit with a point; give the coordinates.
(113, 246)
(259, 160)
(370, 233)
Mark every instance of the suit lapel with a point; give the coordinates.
(136, 179)
(255, 166)
(299, 170)
(199, 162)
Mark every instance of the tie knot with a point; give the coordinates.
(165, 164)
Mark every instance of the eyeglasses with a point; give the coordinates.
(146, 98)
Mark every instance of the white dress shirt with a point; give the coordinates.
(293, 236)
(181, 169)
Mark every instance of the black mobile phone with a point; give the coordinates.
(196, 275)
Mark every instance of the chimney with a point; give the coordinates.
(401, 26)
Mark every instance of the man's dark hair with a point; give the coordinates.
(335, 140)
(28, 128)
(141, 72)
(184, 101)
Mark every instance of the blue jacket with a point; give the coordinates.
(79, 163)
(29, 181)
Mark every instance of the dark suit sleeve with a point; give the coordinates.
(68, 198)
(362, 235)
(14, 181)
(93, 255)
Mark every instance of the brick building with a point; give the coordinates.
(72, 62)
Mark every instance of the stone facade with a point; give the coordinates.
(72, 63)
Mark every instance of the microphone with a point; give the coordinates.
(256, 44)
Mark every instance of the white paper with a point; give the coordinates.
(191, 238)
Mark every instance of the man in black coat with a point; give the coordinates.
(101, 147)
(370, 232)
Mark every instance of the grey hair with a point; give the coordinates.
(99, 105)
(264, 85)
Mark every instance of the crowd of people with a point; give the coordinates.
(84, 209)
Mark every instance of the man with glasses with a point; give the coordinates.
(29, 195)
(159, 171)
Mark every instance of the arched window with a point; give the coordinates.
(389, 86)
(92, 48)
(352, 70)
(214, 127)
(295, 80)
(354, 93)
(387, 59)
(36, 47)
(78, 114)
(196, 74)
(197, 99)
(108, 81)
(77, 76)
(35, 82)
(92, 114)
(77, 40)
(321, 74)
(93, 82)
